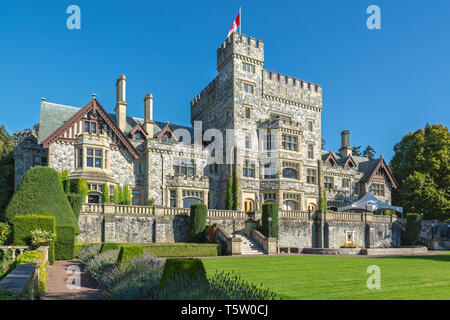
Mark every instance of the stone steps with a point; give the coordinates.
(249, 246)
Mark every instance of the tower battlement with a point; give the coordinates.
(240, 45)
(290, 81)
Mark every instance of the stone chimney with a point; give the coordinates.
(121, 104)
(345, 149)
(148, 114)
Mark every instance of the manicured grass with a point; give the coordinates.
(331, 277)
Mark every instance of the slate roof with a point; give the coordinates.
(54, 115)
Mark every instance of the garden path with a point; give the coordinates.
(58, 289)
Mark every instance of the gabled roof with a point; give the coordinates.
(78, 115)
(362, 164)
(166, 129)
(52, 117)
(330, 158)
(372, 169)
(139, 128)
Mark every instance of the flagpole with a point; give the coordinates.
(240, 21)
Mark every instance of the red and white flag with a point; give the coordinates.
(236, 24)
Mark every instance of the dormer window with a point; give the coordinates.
(138, 136)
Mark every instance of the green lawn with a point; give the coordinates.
(331, 277)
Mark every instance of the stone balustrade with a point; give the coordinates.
(14, 249)
(295, 214)
(110, 208)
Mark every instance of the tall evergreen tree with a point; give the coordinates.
(369, 152)
(356, 151)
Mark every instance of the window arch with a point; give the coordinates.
(290, 205)
(311, 207)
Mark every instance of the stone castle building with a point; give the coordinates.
(271, 132)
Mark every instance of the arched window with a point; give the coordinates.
(311, 207)
(188, 201)
(290, 205)
(249, 205)
(290, 173)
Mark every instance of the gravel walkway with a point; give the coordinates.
(57, 288)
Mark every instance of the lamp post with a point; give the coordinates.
(269, 219)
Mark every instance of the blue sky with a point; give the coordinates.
(379, 84)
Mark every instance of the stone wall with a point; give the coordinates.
(293, 232)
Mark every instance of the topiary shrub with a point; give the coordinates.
(413, 226)
(65, 243)
(40, 192)
(128, 251)
(109, 246)
(269, 209)
(23, 225)
(197, 222)
(76, 200)
(186, 268)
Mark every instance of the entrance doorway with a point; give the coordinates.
(349, 238)
(249, 205)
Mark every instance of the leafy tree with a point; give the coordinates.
(421, 166)
(6, 169)
(369, 152)
(356, 150)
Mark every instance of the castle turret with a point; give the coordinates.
(148, 114)
(121, 104)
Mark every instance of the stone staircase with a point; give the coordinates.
(249, 246)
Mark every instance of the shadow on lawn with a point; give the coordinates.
(434, 257)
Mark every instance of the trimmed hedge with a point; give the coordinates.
(186, 268)
(269, 209)
(75, 200)
(129, 251)
(183, 249)
(24, 224)
(197, 222)
(413, 226)
(109, 246)
(65, 243)
(41, 192)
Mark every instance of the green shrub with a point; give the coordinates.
(65, 243)
(269, 209)
(129, 251)
(106, 197)
(82, 188)
(79, 247)
(197, 222)
(23, 225)
(185, 268)
(182, 249)
(117, 194)
(413, 226)
(40, 192)
(75, 200)
(109, 246)
(323, 201)
(5, 233)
